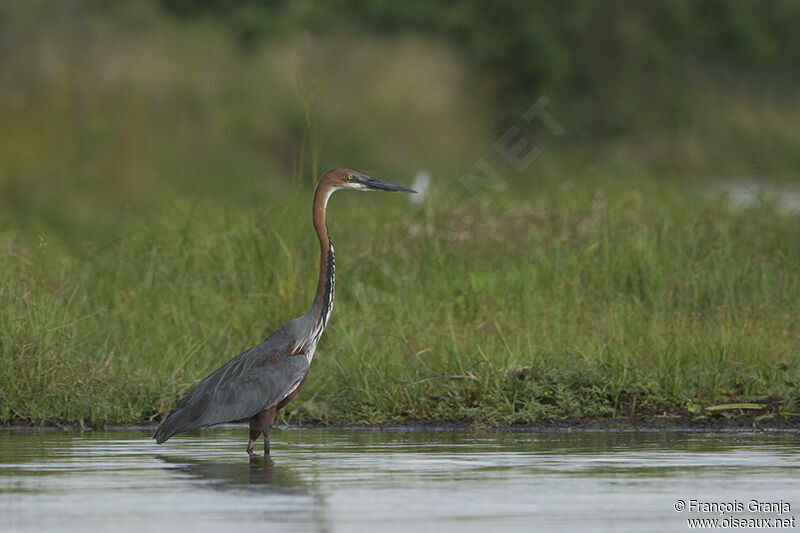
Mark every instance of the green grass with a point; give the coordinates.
(154, 222)
(564, 300)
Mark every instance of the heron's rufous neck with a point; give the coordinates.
(323, 301)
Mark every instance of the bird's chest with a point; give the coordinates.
(308, 345)
(292, 392)
(311, 345)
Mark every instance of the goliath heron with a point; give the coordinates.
(255, 384)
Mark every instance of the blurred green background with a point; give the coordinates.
(143, 140)
(112, 109)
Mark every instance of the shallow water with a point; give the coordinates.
(369, 480)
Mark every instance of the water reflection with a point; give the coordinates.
(258, 473)
(321, 480)
(278, 495)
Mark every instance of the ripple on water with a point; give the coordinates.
(383, 481)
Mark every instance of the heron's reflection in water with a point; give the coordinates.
(259, 473)
(274, 493)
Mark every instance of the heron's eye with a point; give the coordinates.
(349, 177)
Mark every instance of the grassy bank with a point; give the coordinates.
(155, 188)
(577, 299)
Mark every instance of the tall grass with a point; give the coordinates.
(568, 301)
(154, 202)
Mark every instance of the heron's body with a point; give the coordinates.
(255, 384)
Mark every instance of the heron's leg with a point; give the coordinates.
(255, 430)
(266, 440)
(266, 418)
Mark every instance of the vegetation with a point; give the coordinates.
(581, 300)
(155, 188)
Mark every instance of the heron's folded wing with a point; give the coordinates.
(235, 391)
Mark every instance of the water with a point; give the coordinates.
(367, 480)
(750, 193)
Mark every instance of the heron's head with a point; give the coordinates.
(344, 178)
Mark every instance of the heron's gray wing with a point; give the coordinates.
(241, 388)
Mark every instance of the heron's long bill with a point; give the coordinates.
(378, 185)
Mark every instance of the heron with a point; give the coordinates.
(257, 383)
